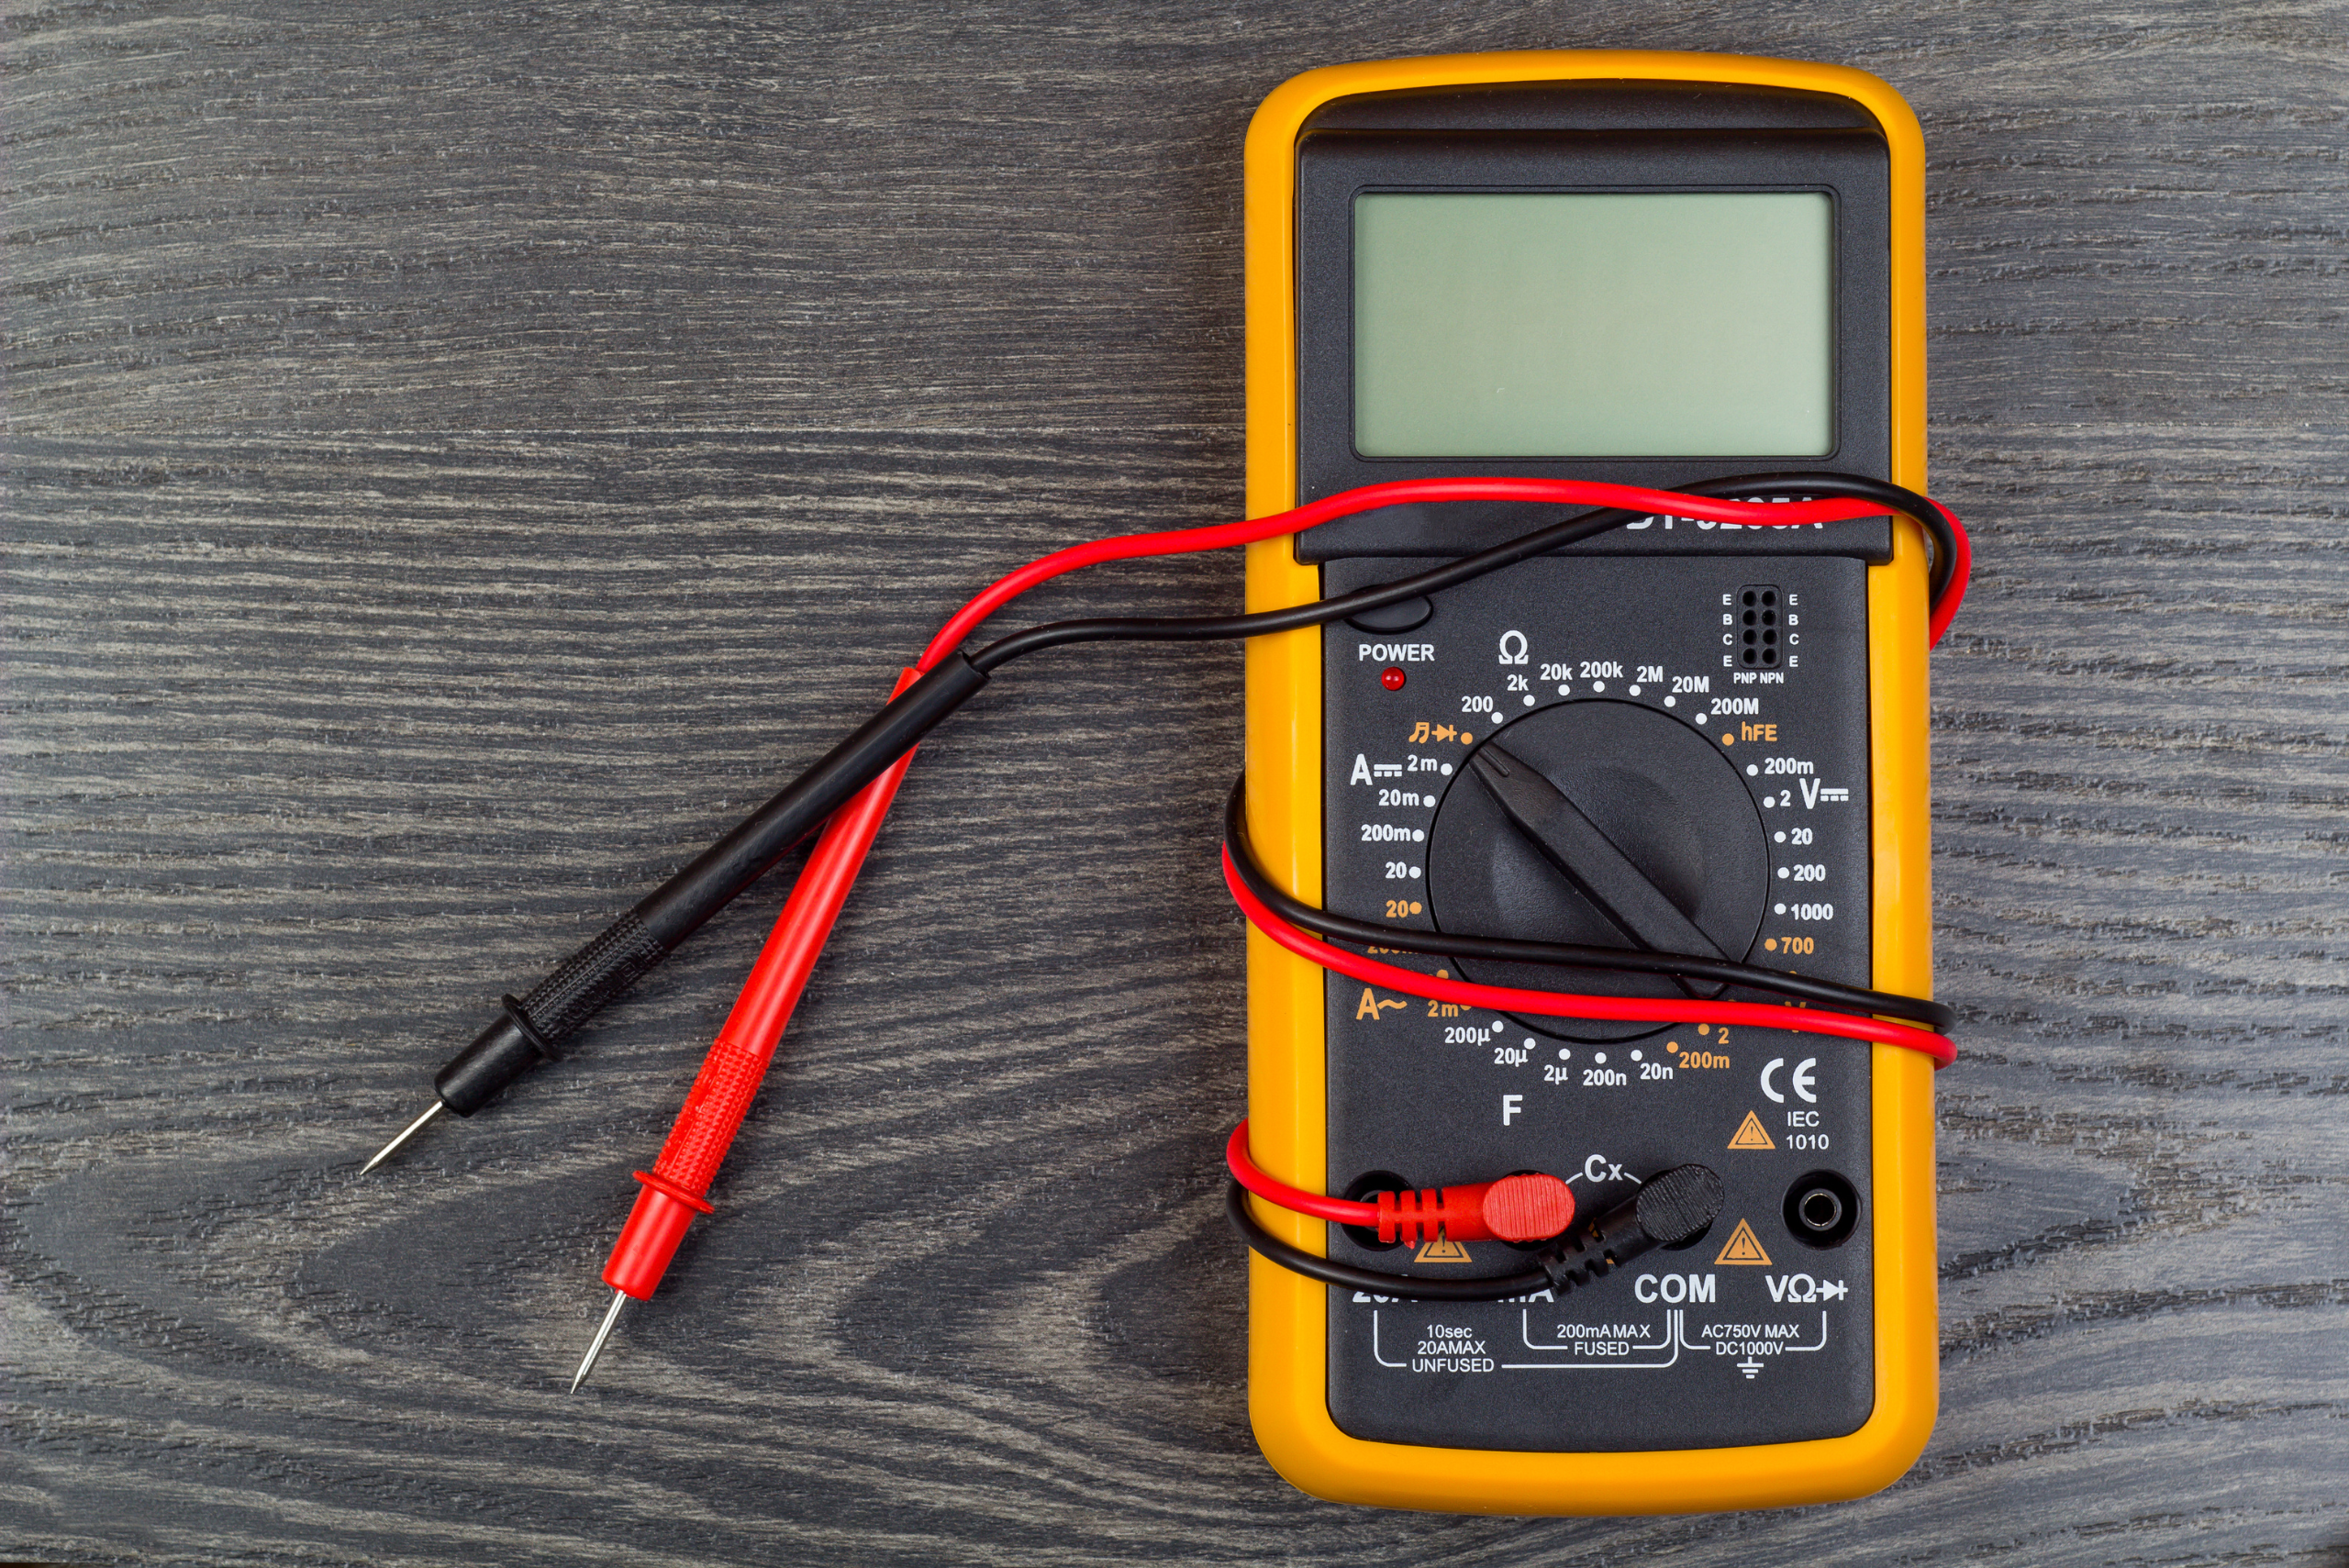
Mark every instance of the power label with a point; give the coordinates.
(1704, 723)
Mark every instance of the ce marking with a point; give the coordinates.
(1799, 1080)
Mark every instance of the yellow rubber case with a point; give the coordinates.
(1287, 1313)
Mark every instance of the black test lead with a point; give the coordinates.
(527, 1029)
(674, 1192)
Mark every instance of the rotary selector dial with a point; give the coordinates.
(1604, 823)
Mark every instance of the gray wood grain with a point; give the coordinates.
(458, 461)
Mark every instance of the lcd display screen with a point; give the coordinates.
(1508, 324)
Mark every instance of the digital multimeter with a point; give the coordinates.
(1655, 269)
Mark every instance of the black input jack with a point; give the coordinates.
(1823, 1209)
(1365, 1188)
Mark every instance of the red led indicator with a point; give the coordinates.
(1391, 677)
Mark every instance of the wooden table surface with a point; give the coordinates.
(459, 459)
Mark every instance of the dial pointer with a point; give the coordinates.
(1572, 842)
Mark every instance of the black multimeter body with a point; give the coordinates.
(1716, 699)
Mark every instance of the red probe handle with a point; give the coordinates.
(675, 1189)
(1528, 1207)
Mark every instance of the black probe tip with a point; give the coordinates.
(410, 1130)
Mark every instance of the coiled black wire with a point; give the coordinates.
(1569, 531)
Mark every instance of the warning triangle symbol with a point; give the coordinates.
(1444, 1249)
(1743, 1247)
(1749, 1134)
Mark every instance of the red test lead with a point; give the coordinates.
(528, 1028)
(674, 1190)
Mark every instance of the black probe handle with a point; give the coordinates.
(527, 1033)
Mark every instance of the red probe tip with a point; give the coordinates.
(595, 1346)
